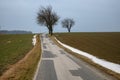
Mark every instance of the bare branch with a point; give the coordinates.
(68, 23)
(47, 17)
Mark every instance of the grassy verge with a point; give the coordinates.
(25, 68)
(84, 58)
(13, 48)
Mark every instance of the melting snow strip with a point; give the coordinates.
(109, 65)
(34, 40)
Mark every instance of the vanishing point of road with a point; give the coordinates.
(57, 64)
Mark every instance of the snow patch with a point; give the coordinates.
(109, 65)
(34, 40)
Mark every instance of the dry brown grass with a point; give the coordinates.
(25, 68)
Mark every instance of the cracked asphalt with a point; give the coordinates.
(57, 64)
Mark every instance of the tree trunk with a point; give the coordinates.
(68, 30)
(51, 31)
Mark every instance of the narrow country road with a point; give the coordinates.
(57, 64)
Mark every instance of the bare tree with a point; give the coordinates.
(47, 18)
(68, 23)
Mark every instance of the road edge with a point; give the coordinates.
(39, 62)
(107, 71)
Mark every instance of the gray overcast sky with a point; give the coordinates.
(89, 15)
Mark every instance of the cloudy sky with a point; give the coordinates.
(89, 15)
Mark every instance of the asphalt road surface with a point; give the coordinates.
(57, 64)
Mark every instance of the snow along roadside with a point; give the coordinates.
(109, 65)
(34, 40)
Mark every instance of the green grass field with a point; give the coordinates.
(103, 45)
(13, 48)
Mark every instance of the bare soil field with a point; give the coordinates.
(104, 45)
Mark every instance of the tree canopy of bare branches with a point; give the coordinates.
(47, 18)
(68, 23)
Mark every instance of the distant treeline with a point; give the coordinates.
(15, 32)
